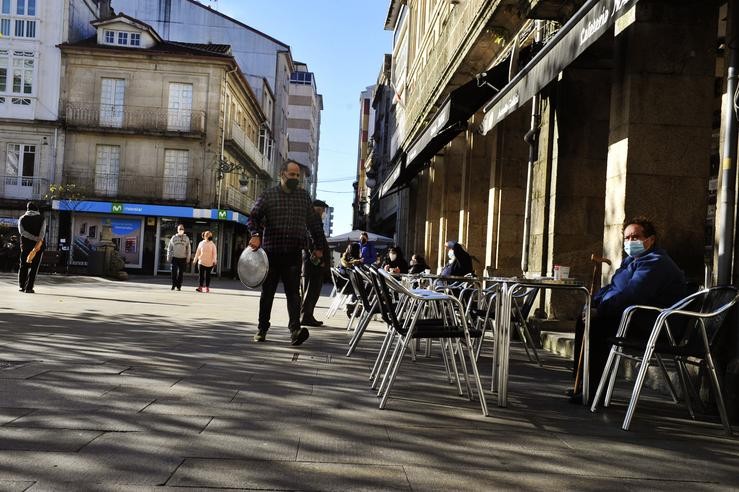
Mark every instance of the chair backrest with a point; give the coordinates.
(360, 287)
(386, 299)
(714, 304)
(525, 299)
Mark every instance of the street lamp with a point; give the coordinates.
(225, 167)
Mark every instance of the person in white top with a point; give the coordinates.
(206, 257)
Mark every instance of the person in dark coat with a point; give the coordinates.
(32, 228)
(460, 262)
(313, 269)
(647, 276)
(418, 264)
(394, 261)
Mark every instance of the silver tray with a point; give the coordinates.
(253, 267)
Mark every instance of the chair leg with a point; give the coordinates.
(463, 362)
(361, 327)
(478, 381)
(381, 355)
(403, 345)
(612, 381)
(446, 345)
(637, 387)
(390, 364)
(717, 393)
(604, 378)
(687, 387)
(670, 386)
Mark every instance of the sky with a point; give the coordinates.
(343, 43)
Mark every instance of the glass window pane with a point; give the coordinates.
(6, 7)
(29, 160)
(19, 28)
(109, 37)
(5, 27)
(21, 10)
(30, 29)
(122, 38)
(31, 7)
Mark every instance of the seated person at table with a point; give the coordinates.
(394, 261)
(418, 265)
(350, 258)
(460, 262)
(647, 276)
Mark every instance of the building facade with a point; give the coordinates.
(266, 61)
(31, 138)
(157, 133)
(364, 145)
(304, 122)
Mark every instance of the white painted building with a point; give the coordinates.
(31, 138)
(304, 122)
(266, 61)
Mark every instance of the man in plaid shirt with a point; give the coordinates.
(278, 222)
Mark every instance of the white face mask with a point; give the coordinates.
(450, 254)
(393, 256)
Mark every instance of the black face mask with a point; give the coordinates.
(292, 183)
(363, 241)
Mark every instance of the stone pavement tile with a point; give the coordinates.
(24, 371)
(444, 478)
(15, 485)
(281, 475)
(44, 439)
(78, 471)
(254, 410)
(679, 459)
(277, 391)
(111, 420)
(9, 414)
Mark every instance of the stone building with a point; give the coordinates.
(31, 138)
(304, 122)
(364, 146)
(157, 133)
(530, 130)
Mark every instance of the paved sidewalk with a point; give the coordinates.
(129, 386)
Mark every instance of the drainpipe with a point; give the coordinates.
(531, 138)
(727, 193)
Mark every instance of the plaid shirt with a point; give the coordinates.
(283, 219)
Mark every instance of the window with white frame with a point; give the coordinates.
(107, 168)
(111, 102)
(20, 161)
(179, 114)
(17, 18)
(176, 163)
(121, 38)
(17, 75)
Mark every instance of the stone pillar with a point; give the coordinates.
(473, 213)
(433, 214)
(660, 132)
(452, 170)
(578, 178)
(507, 192)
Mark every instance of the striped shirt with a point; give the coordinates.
(282, 219)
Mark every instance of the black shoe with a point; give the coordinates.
(179, 288)
(261, 336)
(21, 290)
(173, 287)
(300, 336)
(311, 322)
(29, 291)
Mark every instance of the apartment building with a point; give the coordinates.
(157, 133)
(266, 61)
(364, 146)
(31, 138)
(304, 122)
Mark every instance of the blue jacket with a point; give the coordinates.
(368, 253)
(651, 278)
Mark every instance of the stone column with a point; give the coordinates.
(507, 192)
(453, 167)
(433, 214)
(660, 133)
(473, 213)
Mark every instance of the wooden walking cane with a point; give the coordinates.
(597, 263)
(36, 249)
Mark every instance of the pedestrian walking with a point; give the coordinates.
(206, 257)
(313, 269)
(178, 253)
(278, 223)
(32, 228)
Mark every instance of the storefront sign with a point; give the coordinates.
(144, 209)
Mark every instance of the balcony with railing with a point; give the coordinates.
(237, 136)
(235, 199)
(149, 189)
(113, 117)
(23, 187)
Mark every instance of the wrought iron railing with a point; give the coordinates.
(237, 200)
(127, 117)
(23, 187)
(238, 136)
(127, 186)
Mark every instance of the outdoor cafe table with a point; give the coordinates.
(504, 302)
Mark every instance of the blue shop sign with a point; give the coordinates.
(118, 208)
(124, 227)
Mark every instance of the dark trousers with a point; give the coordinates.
(205, 275)
(285, 267)
(178, 270)
(312, 283)
(27, 271)
(601, 329)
